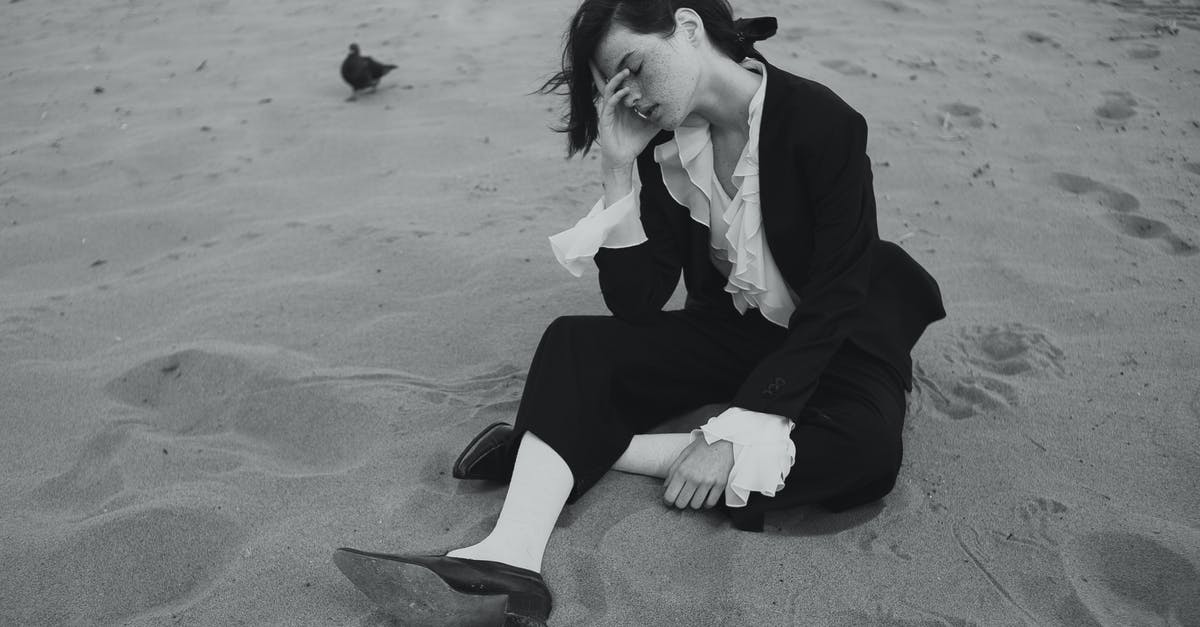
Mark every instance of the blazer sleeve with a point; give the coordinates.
(637, 281)
(833, 165)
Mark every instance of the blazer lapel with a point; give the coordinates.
(786, 217)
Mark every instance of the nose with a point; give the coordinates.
(634, 96)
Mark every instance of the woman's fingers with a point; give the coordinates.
(615, 100)
(617, 79)
(608, 87)
(674, 486)
(685, 495)
(597, 77)
(673, 483)
(714, 496)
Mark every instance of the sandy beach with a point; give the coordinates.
(244, 322)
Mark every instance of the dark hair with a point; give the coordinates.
(591, 23)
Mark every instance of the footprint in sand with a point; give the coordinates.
(961, 115)
(1023, 567)
(1114, 577)
(1035, 37)
(1129, 579)
(1118, 106)
(1122, 218)
(122, 564)
(960, 397)
(1147, 228)
(1011, 349)
(1112, 198)
(846, 68)
(1192, 167)
(1143, 51)
(1005, 350)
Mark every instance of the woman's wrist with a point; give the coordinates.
(618, 182)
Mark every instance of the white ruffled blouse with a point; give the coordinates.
(763, 451)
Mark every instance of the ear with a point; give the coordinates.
(689, 24)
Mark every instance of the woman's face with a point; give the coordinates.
(663, 71)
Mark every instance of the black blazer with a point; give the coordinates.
(818, 212)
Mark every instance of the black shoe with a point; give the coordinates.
(490, 455)
(440, 590)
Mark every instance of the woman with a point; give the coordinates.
(755, 184)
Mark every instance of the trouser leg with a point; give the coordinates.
(595, 381)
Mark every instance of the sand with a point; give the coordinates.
(244, 322)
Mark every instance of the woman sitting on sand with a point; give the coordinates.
(755, 184)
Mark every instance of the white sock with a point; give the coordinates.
(652, 454)
(539, 488)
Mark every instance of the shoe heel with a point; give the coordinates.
(416, 596)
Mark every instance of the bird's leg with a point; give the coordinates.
(353, 96)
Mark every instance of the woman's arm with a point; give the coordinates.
(637, 281)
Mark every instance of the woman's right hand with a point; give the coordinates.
(622, 133)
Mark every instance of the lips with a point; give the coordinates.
(646, 114)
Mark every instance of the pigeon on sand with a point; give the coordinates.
(362, 72)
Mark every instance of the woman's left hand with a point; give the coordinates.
(697, 477)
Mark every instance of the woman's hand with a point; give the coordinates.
(698, 476)
(622, 133)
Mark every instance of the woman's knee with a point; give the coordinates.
(587, 334)
(570, 326)
(879, 451)
(870, 447)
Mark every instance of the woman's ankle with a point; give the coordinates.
(510, 555)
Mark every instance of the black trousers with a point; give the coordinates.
(596, 381)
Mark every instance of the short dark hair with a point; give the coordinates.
(591, 23)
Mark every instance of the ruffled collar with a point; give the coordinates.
(691, 150)
(739, 246)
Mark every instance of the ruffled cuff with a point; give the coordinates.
(618, 226)
(763, 451)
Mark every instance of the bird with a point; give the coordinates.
(362, 72)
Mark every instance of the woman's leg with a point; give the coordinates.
(588, 370)
(597, 382)
(540, 484)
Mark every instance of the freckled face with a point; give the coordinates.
(663, 72)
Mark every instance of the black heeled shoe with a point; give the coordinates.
(440, 590)
(489, 456)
